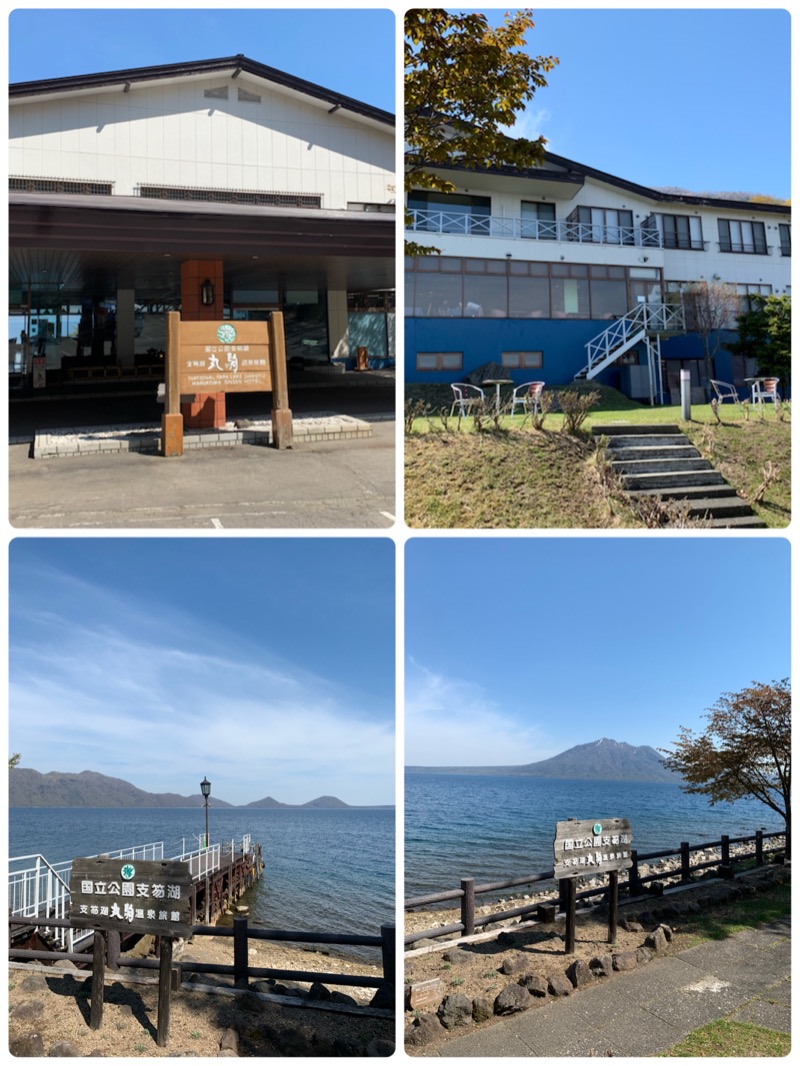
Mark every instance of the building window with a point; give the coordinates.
(786, 239)
(437, 212)
(538, 221)
(673, 231)
(746, 293)
(748, 238)
(383, 209)
(522, 360)
(440, 360)
(601, 225)
(61, 185)
(228, 196)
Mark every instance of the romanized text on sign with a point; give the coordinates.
(224, 357)
(584, 848)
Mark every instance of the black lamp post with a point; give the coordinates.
(205, 788)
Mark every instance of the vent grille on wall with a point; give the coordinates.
(60, 185)
(230, 196)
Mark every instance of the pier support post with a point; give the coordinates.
(164, 990)
(98, 979)
(240, 952)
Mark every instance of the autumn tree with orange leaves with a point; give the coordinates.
(745, 750)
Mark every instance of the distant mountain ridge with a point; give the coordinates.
(600, 760)
(30, 788)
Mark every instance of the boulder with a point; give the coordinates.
(559, 985)
(455, 1010)
(602, 965)
(379, 1048)
(580, 974)
(383, 998)
(27, 1046)
(27, 1010)
(534, 984)
(344, 999)
(425, 1029)
(644, 954)
(319, 993)
(515, 963)
(624, 960)
(482, 1009)
(511, 1000)
(457, 957)
(630, 925)
(657, 941)
(34, 982)
(229, 1041)
(63, 1049)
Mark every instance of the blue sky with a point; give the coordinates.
(691, 98)
(349, 51)
(265, 664)
(520, 648)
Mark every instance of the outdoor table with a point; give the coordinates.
(497, 382)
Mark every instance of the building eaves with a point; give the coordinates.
(664, 197)
(136, 75)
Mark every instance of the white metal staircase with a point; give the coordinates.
(647, 323)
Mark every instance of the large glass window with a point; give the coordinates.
(609, 298)
(438, 212)
(529, 297)
(439, 295)
(742, 236)
(570, 297)
(602, 225)
(674, 231)
(786, 239)
(485, 296)
(538, 221)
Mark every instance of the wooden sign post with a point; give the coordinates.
(125, 896)
(227, 356)
(584, 849)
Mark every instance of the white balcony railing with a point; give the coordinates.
(426, 221)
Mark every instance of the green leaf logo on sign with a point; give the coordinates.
(598, 829)
(226, 334)
(127, 871)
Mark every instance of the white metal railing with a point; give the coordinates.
(39, 890)
(427, 221)
(645, 319)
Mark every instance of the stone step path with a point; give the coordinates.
(659, 462)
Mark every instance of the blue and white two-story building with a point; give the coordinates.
(543, 271)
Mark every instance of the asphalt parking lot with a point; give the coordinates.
(340, 484)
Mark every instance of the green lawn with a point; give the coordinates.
(509, 475)
(727, 1039)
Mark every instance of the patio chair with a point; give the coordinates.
(766, 389)
(466, 396)
(724, 391)
(527, 396)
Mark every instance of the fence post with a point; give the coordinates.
(389, 953)
(468, 906)
(240, 952)
(725, 868)
(759, 847)
(563, 894)
(98, 979)
(164, 990)
(686, 871)
(634, 884)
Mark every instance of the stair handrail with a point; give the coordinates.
(651, 317)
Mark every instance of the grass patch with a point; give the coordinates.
(723, 920)
(726, 1039)
(515, 477)
(506, 480)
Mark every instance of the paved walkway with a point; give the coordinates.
(745, 978)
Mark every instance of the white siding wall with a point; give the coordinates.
(678, 265)
(173, 134)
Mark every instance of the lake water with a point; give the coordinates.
(495, 828)
(324, 870)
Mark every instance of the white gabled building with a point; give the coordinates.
(536, 267)
(130, 189)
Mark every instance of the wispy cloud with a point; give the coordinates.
(451, 722)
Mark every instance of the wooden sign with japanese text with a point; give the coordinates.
(582, 849)
(223, 357)
(131, 896)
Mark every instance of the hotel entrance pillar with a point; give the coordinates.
(202, 301)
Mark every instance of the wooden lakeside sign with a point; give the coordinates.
(226, 356)
(585, 849)
(128, 896)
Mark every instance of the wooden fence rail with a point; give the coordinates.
(241, 933)
(546, 911)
